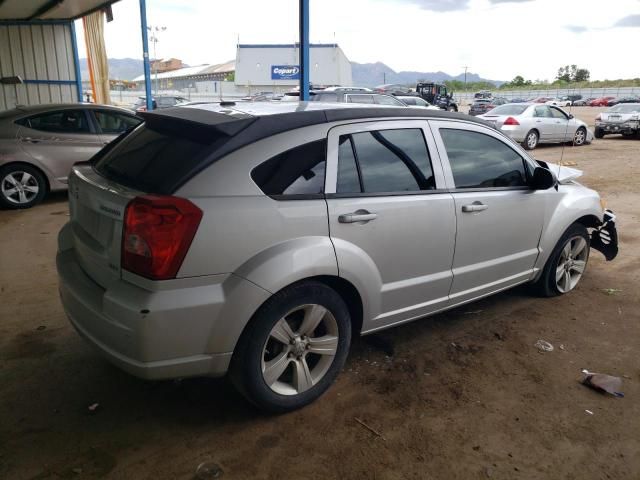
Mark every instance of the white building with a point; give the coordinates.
(277, 67)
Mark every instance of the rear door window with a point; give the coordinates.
(298, 171)
(360, 98)
(114, 123)
(387, 100)
(384, 161)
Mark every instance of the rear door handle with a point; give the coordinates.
(357, 216)
(30, 140)
(474, 207)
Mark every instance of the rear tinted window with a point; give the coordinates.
(151, 161)
(509, 110)
(299, 171)
(384, 161)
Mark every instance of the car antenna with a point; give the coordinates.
(564, 144)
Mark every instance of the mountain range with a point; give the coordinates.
(119, 68)
(371, 74)
(365, 74)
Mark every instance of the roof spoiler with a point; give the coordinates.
(200, 125)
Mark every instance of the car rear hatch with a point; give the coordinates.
(612, 117)
(96, 208)
(151, 160)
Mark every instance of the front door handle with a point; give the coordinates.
(357, 217)
(30, 140)
(474, 207)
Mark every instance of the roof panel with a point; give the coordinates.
(48, 9)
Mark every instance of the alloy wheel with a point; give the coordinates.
(532, 140)
(19, 187)
(572, 263)
(580, 137)
(300, 349)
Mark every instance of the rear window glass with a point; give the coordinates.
(298, 171)
(151, 161)
(509, 110)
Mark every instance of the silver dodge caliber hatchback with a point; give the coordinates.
(258, 239)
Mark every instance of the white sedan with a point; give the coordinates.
(559, 102)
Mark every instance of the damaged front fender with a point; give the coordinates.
(605, 237)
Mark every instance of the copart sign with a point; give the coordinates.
(285, 72)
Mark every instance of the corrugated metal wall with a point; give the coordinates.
(43, 56)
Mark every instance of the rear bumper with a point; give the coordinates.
(620, 127)
(153, 335)
(516, 132)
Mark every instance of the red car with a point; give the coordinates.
(542, 99)
(600, 102)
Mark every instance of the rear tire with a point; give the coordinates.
(530, 140)
(599, 133)
(452, 108)
(566, 264)
(21, 186)
(283, 362)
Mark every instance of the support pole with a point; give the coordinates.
(145, 54)
(76, 60)
(304, 50)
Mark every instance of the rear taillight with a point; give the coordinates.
(157, 234)
(511, 121)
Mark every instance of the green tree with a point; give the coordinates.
(582, 75)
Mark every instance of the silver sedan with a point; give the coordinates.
(530, 124)
(39, 144)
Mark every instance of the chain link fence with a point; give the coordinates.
(467, 97)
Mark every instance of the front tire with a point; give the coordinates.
(531, 140)
(452, 108)
(21, 186)
(598, 133)
(293, 348)
(580, 138)
(566, 264)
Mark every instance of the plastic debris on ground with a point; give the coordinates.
(603, 383)
(543, 346)
(207, 470)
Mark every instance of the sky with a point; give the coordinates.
(497, 39)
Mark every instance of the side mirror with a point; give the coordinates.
(542, 179)
(570, 116)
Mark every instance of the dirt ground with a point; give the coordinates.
(465, 396)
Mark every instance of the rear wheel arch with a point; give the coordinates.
(345, 289)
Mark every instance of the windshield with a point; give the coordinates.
(626, 108)
(509, 109)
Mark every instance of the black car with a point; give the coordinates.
(356, 97)
(483, 105)
(629, 99)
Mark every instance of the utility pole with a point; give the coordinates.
(465, 77)
(154, 38)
